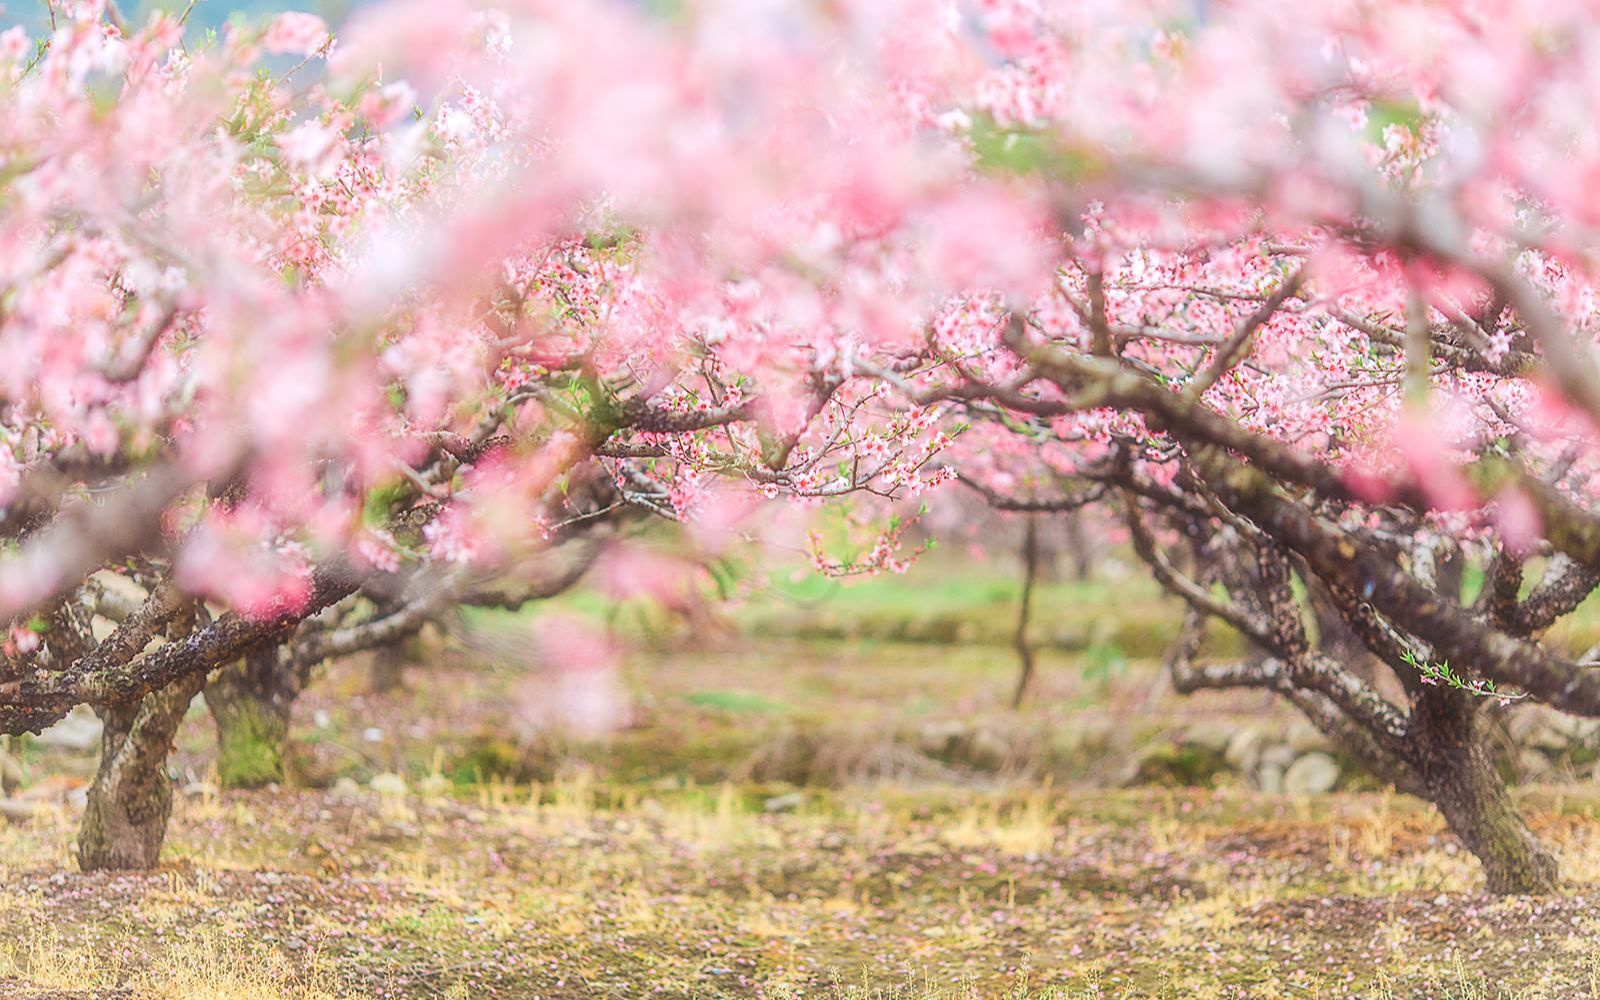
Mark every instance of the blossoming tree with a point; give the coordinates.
(299, 354)
(1323, 335)
(307, 340)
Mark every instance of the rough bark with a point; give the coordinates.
(1458, 776)
(1454, 634)
(41, 698)
(125, 819)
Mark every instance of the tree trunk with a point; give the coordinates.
(251, 701)
(1078, 546)
(1030, 574)
(125, 818)
(1458, 776)
(388, 668)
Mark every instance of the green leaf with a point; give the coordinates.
(380, 503)
(1026, 151)
(1382, 114)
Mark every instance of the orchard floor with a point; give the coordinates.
(699, 893)
(773, 823)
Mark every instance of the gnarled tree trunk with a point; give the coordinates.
(1457, 774)
(251, 701)
(1433, 750)
(125, 819)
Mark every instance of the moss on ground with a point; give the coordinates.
(251, 745)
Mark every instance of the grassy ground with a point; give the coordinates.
(785, 817)
(944, 600)
(540, 892)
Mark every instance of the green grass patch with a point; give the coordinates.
(735, 702)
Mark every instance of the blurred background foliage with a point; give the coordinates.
(34, 14)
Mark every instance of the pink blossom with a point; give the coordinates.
(295, 33)
(100, 434)
(577, 688)
(1519, 522)
(633, 571)
(1430, 461)
(23, 641)
(14, 45)
(388, 104)
(378, 549)
(310, 145)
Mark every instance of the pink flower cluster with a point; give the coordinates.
(772, 249)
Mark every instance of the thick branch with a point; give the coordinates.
(43, 699)
(1454, 634)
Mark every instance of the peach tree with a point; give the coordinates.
(308, 341)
